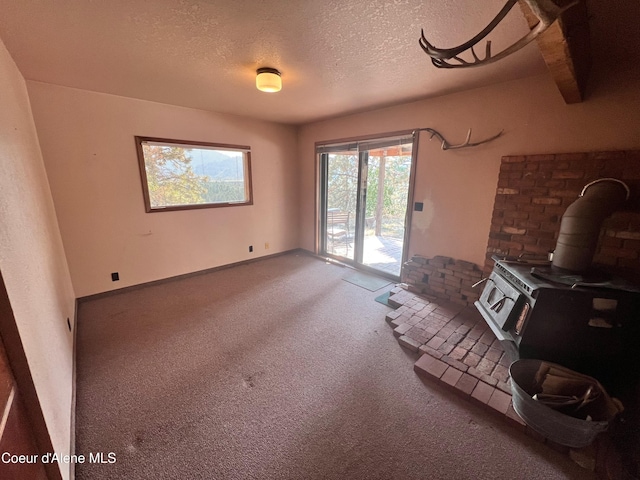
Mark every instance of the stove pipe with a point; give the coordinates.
(580, 224)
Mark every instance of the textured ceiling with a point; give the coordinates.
(335, 57)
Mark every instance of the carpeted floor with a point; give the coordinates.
(275, 370)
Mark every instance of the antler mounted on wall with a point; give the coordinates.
(447, 146)
(547, 12)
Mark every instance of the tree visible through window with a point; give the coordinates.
(180, 175)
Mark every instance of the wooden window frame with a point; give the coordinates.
(246, 152)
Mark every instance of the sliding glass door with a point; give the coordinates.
(364, 197)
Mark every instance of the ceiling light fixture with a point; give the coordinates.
(268, 80)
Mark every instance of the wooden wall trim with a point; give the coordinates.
(20, 367)
(72, 446)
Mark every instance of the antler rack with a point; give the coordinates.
(547, 12)
(447, 146)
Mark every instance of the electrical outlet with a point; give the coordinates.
(250, 248)
(115, 276)
(266, 245)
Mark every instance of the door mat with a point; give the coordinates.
(384, 298)
(363, 280)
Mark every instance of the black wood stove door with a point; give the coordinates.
(500, 303)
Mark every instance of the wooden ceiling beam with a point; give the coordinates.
(565, 47)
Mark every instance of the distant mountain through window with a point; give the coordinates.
(217, 164)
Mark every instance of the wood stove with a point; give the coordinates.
(587, 322)
(564, 310)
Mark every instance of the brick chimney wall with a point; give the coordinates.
(534, 191)
(532, 195)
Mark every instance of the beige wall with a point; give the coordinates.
(89, 151)
(458, 187)
(32, 258)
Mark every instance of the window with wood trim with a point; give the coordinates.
(180, 175)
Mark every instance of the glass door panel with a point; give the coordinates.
(341, 172)
(387, 187)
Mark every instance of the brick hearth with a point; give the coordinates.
(459, 350)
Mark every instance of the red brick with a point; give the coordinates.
(480, 349)
(435, 342)
(523, 183)
(567, 174)
(505, 387)
(501, 373)
(446, 348)
(531, 209)
(486, 366)
(535, 191)
(611, 241)
(541, 158)
(467, 343)
(563, 193)
(482, 393)
(472, 359)
(505, 361)
(507, 191)
(426, 364)
(554, 210)
(482, 376)
(628, 235)
(619, 252)
(455, 363)
(466, 384)
(455, 338)
(578, 158)
(550, 183)
(487, 338)
(409, 343)
(402, 329)
(430, 351)
(458, 353)
(476, 332)
(630, 244)
(546, 201)
(494, 353)
(514, 230)
(451, 376)
(513, 159)
(516, 214)
(499, 401)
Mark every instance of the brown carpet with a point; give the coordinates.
(275, 370)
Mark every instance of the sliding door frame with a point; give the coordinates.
(321, 199)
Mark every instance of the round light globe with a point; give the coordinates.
(268, 80)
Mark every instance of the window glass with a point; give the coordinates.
(180, 175)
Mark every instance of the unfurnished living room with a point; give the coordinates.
(319, 240)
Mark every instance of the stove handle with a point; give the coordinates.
(481, 282)
(497, 306)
